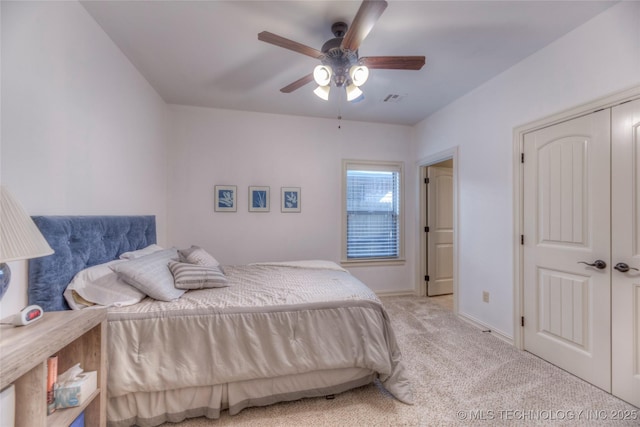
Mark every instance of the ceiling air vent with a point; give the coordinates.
(393, 98)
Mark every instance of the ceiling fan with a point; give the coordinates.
(341, 65)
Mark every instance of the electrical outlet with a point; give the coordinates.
(485, 296)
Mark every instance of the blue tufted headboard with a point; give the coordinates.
(80, 242)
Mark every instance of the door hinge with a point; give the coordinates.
(522, 239)
(522, 321)
(521, 157)
(426, 229)
(426, 278)
(426, 180)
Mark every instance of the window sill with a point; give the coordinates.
(380, 262)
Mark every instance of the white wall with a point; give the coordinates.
(598, 58)
(220, 147)
(82, 132)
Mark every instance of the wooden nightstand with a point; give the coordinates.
(76, 337)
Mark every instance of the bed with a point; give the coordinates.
(276, 332)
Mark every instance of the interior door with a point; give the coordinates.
(625, 316)
(566, 209)
(440, 236)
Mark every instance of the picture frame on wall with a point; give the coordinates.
(290, 199)
(259, 199)
(225, 198)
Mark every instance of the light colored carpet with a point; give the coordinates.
(461, 376)
(444, 301)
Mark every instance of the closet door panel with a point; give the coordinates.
(566, 222)
(625, 229)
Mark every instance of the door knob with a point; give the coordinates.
(599, 264)
(623, 268)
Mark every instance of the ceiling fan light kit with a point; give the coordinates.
(341, 65)
(323, 74)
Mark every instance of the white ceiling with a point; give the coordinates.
(206, 53)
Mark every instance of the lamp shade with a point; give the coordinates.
(353, 93)
(322, 92)
(359, 74)
(19, 236)
(322, 75)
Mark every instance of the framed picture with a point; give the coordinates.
(290, 199)
(225, 198)
(258, 199)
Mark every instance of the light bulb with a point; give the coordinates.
(322, 75)
(359, 74)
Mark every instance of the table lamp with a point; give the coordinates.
(19, 237)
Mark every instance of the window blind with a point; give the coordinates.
(372, 201)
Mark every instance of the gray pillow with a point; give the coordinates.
(191, 276)
(150, 274)
(197, 255)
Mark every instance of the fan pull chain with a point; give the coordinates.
(340, 109)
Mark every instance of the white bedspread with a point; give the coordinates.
(274, 320)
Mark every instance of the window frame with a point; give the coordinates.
(381, 166)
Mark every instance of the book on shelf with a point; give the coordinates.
(52, 378)
(78, 422)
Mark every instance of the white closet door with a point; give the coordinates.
(567, 221)
(625, 196)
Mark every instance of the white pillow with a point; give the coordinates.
(191, 276)
(100, 285)
(141, 252)
(198, 256)
(150, 274)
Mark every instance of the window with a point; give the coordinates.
(372, 227)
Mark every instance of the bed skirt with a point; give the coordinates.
(147, 409)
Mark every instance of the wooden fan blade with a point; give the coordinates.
(274, 39)
(368, 14)
(393, 62)
(297, 84)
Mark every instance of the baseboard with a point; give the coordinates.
(408, 292)
(483, 326)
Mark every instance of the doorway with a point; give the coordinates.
(438, 219)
